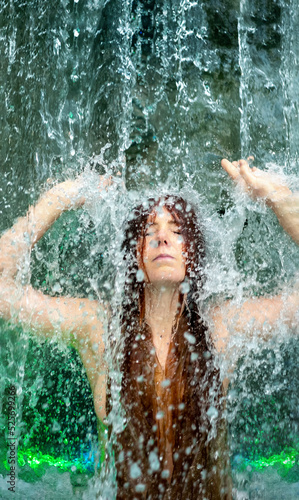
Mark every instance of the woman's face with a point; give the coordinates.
(164, 256)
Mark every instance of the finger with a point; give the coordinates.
(246, 173)
(231, 169)
(240, 162)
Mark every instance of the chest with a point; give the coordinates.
(162, 354)
(159, 376)
(159, 372)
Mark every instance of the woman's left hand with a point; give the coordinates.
(257, 183)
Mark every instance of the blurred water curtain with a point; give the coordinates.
(171, 84)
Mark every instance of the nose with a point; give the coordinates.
(162, 242)
(162, 238)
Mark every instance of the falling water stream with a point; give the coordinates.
(158, 91)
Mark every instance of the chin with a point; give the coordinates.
(166, 279)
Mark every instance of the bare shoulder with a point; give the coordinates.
(218, 326)
(256, 316)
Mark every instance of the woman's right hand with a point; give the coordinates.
(108, 180)
(16, 243)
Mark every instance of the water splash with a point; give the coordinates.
(158, 91)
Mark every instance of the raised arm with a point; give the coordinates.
(71, 318)
(19, 240)
(74, 321)
(259, 316)
(270, 188)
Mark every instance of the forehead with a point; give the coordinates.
(160, 214)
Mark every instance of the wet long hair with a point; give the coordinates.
(200, 386)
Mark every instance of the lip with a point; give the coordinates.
(163, 256)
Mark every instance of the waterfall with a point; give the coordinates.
(289, 76)
(158, 91)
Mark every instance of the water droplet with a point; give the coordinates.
(56, 427)
(135, 471)
(191, 339)
(212, 412)
(140, 488)
(185, 287)
(140, 275)
(154, 461)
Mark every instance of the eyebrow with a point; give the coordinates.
(173, 222)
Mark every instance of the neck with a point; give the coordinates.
(161, 308)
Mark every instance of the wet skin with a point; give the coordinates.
(163, 259)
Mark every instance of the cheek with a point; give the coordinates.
(152, 244)
(149, 247)
(143, 254)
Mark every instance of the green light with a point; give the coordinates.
(285, 460)
(37, 460)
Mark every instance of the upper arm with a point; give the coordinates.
(73, 320)
(255, 316)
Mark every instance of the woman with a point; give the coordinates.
(173, 444)
(171, 389)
